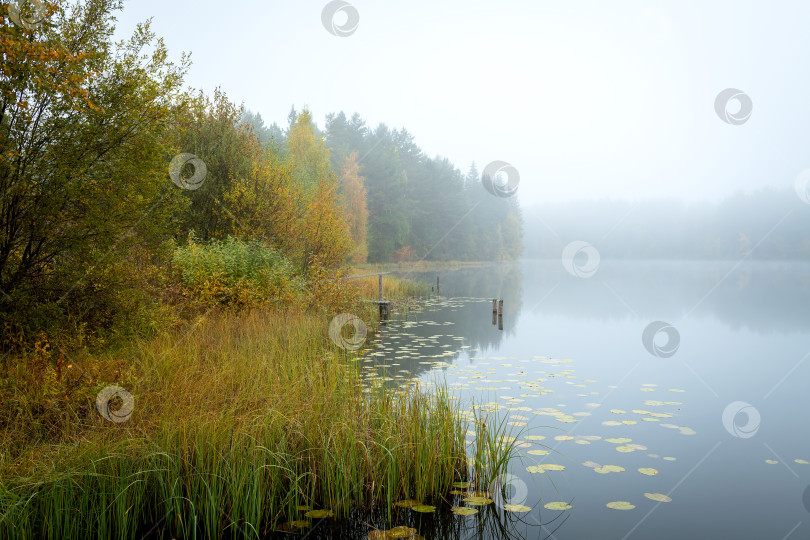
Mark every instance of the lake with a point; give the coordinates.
(714, 407)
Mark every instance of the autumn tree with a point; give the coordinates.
(87, 133)
(354, 207)
(212, 129)
(309, 154)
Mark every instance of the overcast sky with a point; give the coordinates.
(586, 99)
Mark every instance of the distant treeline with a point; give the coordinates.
(765, 224)
(411, 206)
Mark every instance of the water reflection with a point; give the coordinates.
(607, 401)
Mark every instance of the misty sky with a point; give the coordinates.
(587, 99)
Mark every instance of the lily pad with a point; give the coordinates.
(461, 484)
(557, 505)
(648, 471)
(619, 440)
(771, 461)
(620, 505)
(660, 497)
(538, 452)
(477, 501)
(609, 469)
(802, 461)
(319, 514)
(424, 508)
(534, 437)
(401, 532)
(516, 508)
(463, 511)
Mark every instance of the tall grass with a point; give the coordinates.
(237, 426)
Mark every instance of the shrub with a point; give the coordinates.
(236, 273)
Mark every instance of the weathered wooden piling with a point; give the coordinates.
(500, 308)
(437, 285)
(494, 305)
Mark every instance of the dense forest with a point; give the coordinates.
(122, 191)
(417, 207)
(765, 224)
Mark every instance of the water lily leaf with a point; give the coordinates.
(461, 484)
(563, 438)
(401, 532)
(660, 497)
(557, 505)
(463, 511)
(687, 431)
(620, 505)
(802, 461)
(611, 423)
(300, 524)
(516, 508)
(667, 458)
(591, 464)
(625, 449)
(477, 501)
(424, 508)
(618, 411)
(319, 514)
(609, 469)
(619, 440)
(771, 461)
(534, 437)
(538, 452)
(648, 471)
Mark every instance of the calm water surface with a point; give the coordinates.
(571, 365)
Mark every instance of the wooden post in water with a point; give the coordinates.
(500, 308)
(437, 285)
(494, 305)
(380, 276)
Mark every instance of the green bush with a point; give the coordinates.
(236, 273)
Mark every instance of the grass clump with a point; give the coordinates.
(241, 423)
